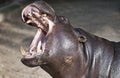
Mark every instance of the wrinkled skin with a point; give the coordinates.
(67, 52)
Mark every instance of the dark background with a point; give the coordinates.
(99, 17)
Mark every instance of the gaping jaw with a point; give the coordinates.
(41, 16)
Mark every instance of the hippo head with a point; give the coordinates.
(55, 46)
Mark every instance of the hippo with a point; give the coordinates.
(67, 52)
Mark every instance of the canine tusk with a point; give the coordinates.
(49, 21)
(29, 21)
(51, 24)
(38, 47)
(23, 52)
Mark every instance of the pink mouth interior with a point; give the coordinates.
(37, 46)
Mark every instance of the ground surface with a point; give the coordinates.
(100, 18)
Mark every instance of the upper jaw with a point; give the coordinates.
(34, 16)
(43, 21)
(37, 20)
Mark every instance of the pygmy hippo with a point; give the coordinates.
(67, 52)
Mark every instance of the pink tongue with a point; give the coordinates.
(38, 37)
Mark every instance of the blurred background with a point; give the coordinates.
(99, 17)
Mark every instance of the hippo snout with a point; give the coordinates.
(34, 60)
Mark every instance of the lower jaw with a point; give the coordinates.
(35, 60)
(28, 63)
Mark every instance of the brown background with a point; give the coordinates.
(99, 17)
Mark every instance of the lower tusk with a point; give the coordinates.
(23, 52)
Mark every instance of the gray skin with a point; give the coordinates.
(69, 52)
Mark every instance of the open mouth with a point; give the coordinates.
(38, 21)
(44, 24)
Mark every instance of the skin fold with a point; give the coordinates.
(67, 52)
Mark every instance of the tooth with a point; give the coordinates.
(37, 14)
(44, 15)
(23, 52)
(44, 21)
(49, 21)
(38, 47)
(51, 24)
(29, 14)
(43, 47)
(29, 21)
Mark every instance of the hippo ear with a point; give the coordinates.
(82, 38)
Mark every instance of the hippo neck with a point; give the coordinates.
(51, 71)
(99, 49)
(88, 62)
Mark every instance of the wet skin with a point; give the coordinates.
(67, 52)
